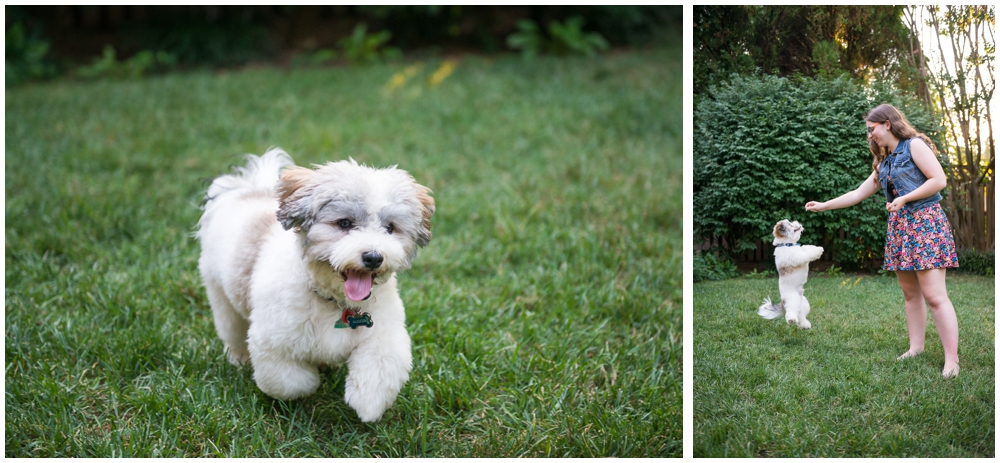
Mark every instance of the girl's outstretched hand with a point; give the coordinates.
(814, 206)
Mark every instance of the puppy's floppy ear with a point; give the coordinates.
(779, 230)
(427, 210)
(293, 190)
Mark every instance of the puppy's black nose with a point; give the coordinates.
(372, 260)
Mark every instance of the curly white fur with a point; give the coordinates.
(793, 270)
(283, 257)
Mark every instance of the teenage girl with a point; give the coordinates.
(918, 244)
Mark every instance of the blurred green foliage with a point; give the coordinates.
(976, 262)
(197, 41)
(138, 65)
(563, 39)
(363, 48)
(26, 56)
(861, 40)
(309, 35)
(710, 266)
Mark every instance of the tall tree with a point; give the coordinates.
(963, 86)
(867, 42)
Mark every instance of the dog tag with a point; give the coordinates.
(351, 319)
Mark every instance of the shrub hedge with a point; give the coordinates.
(976, 262)
(766, 145)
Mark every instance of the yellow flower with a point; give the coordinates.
(447, 67)
(399, 79)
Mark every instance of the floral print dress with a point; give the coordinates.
(919, 239)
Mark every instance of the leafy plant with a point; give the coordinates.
(528, 38)
(975, 262)
(708, 266)
(570, 39)
(833, 271)
(564, 39)
(361, 48)
(26, 57)
(108, 65)
(754, 274)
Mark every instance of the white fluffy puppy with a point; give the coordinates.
(300, 272)
(792, 261)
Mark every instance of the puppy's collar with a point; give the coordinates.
(349, 318)
(777, 246)
(328, 299)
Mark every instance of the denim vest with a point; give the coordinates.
(906, 176)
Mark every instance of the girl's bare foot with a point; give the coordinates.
(950, 370)
(908, 354)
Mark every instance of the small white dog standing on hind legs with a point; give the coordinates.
(300, 269)
(792, 261)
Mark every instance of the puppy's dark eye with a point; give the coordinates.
(345, 224)
(390, 228)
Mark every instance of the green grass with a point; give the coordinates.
(545, 314)
(763, 388)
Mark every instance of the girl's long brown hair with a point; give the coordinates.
(899, 126)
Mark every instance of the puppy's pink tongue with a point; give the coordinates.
(358, 285)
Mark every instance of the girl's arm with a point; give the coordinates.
(924, 158)
(869, 187)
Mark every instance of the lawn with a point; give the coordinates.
(763, 388)
(545, 313)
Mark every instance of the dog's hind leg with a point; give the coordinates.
(792, 307)
(230, 325)
(803, 311)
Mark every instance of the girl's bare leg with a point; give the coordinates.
(932, 286)
(916, 312)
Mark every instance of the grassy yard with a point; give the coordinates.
(762, 388)
(545, 314)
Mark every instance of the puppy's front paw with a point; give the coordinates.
(369, 404)
(372, 386)
(804, 324)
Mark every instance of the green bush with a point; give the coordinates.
(766, 145)
(528, 38)
(564, 39)
(108, 64)
(976, 262)
(26, 56)
(708, 266)
(570, 39)
(361, 48)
